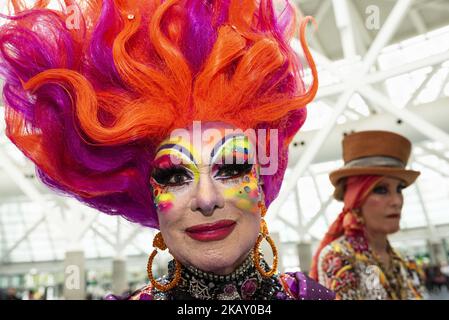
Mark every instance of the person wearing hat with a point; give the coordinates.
(355, 258)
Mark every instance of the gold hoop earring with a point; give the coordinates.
(256, 256)
(263, 209)
(158, 243)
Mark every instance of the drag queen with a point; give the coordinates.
(355, 258)
(176, 115)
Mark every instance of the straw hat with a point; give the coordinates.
(380, 153)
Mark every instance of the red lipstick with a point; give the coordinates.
(211, 231)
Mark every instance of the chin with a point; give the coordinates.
(392, 229)
(219, 258)
(215, 261)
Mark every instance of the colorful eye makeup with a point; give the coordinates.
(176, 166)
(232, 149)
(246, 193)
(179, 152)
(231, 171)
(173, 176)
(162, 199)
(231, 157)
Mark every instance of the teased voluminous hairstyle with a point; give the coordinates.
(93, 87)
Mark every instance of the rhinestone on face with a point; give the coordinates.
(130, 16)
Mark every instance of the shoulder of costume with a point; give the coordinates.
(144, 293)
(339, 247)
(300, 287)
(140, 294)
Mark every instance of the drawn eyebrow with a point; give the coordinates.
(178, 148)
(222, 143)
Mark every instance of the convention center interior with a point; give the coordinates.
(382, 65)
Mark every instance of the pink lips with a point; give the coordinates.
(211, 231)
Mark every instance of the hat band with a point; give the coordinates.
(375, 162)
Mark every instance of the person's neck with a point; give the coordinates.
(378, 242)
(243, 260)
(230, 269)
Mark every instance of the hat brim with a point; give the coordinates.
(407, 176)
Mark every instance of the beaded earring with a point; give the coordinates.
(158, 243)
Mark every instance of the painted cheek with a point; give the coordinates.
(245, 195)
(162, 199)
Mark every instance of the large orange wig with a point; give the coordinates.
(92, 88)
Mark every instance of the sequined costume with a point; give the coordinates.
(350, 268)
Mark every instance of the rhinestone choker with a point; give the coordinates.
(238, 273)
(244, 283)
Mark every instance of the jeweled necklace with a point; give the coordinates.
(245, 283)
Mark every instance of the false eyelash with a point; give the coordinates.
(241, 169)
(163, 175)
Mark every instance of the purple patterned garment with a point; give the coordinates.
(304, 288)
(295, 286)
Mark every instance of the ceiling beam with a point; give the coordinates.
(370, 78)
(439, 154)
(427, 128)
(420, 87)
(345, 26)
(321, 212)
(437, 170)
(30, 230)
(383, 37)
(434, 112)
(362, 34)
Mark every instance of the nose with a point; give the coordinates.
(397, 200)
(207, 197)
